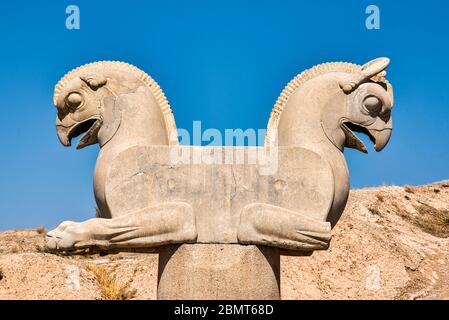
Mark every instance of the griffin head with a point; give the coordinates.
(79, 105)
(367, 109)
(337, 99)
(85, 99)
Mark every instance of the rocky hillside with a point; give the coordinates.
(392, 243)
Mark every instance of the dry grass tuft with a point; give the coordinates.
(429, 219)
(43, 249)
(380, 197)
(415, 285)
(41, 230)
(375, 207)
(109, 287)
(375, 211)
(434, 221)
(409, 189)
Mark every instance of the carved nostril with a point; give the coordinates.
(60, 115)
(385, 115)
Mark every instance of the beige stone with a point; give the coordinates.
(144, 199)
(288, 197)
(218, 271)
(381, 230)
(119, 107)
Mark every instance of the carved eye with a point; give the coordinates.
(74, 100)
(373, 105)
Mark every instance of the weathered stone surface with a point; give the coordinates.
(287, 194)
(380, 249)
(286, 197)
(219, 193)
(117, 106)
(218, 271)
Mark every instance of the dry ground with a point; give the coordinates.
(392, 243)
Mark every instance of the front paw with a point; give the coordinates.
(67, 236)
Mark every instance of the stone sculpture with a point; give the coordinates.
(228, 216)
(118, 106)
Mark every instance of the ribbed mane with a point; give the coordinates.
(295, 83)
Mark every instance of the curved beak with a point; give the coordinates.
(380, 133)
(63, 133)
(89, 127)
(381, 138)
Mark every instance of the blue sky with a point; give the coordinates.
(221, 62)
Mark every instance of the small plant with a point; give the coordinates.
(380, 197)
(429, 219)
(413, 286)
(434, 221)
(375, 211)
(15, 249)
(41, 230)
(409, 189)
(43, 249)
(109, 288)
(436, 190)
(1, 275)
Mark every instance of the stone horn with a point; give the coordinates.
(368, 70)
(377, 68)
(374, 67)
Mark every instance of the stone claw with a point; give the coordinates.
(66, 236)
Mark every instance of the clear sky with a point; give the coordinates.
(221, 62)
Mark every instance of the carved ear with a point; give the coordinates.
(94, 81)
(375, 67)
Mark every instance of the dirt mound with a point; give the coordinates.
(392, 243)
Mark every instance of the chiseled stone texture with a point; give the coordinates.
(218, 271)
(141, 177)
(144, 199)
(224, 215)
